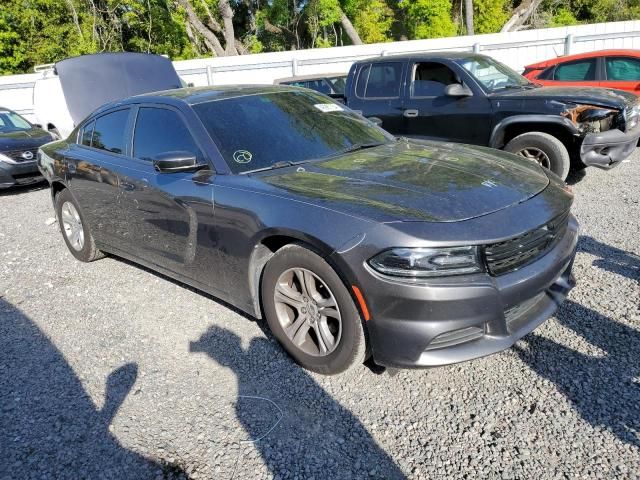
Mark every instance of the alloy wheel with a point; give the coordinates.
(72, 226)
(308, 312)
(537, 155)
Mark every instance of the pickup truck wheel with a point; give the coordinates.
(544, 149)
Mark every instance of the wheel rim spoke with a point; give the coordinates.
(298, 330)
(286, 294)
(326, 339)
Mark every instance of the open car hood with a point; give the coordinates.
(90, 81)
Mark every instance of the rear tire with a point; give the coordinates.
(74, 229)
(310, 311)
(544, 149)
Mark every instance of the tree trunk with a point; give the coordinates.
(227, 21)
(468, 16)
(520, 15)
(212, 41)
(74, 14)
(350, 30)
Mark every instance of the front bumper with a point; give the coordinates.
(608, 149)
(23, 173)
(469, 316)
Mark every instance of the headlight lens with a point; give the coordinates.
(5, 159)
(427, 262)
(631, 116)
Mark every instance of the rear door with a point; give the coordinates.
(622, 73)
(92, 165)
(378, 93)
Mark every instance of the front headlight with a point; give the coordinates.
(631, 116)
(427, 262)
(5, 159)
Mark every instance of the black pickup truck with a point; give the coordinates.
(472, 98)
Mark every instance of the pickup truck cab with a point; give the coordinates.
(474, 99)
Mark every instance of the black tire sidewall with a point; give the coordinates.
(352, 339)
(554, 148)
(84, 255)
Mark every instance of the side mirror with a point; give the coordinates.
(375, 120)
(171, 162)
(457, 90)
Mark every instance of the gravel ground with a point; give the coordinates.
(110, 371)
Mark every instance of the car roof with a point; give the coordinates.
(453, 55)
(578, 56)
(196, 95)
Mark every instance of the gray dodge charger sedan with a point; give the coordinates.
(349, 242)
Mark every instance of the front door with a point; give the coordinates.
(165, 211)
(431, 114)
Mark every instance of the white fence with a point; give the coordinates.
(516, 49)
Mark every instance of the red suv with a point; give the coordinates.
(618, 69)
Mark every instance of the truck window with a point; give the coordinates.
(380, 80)
(579, 71)
(430, 79)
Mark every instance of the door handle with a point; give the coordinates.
(411, 113)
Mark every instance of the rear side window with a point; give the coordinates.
(623, 68)
(109, 132)
(86, 134)
(159, 130)
(382, 80)
(579, 71)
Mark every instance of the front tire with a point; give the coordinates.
(544, 149)
(310, 311)
(74, 229)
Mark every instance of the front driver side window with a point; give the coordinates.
(160, 130)
(430, 79)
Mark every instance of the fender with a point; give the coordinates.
(497, 135)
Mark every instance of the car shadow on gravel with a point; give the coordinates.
(49, 426)
(611, 258)
(603, 389)
(297, 427)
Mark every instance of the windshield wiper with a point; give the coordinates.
(273, 166)
(358, 146)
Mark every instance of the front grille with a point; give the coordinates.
(19, 155)
(510, 255)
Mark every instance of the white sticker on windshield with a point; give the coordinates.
(328, 107)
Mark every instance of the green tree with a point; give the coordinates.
(489, 15)
(428, 18)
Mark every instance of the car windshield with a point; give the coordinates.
(493, 75)
(339, 84)
(12, 122)
(255, 132)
